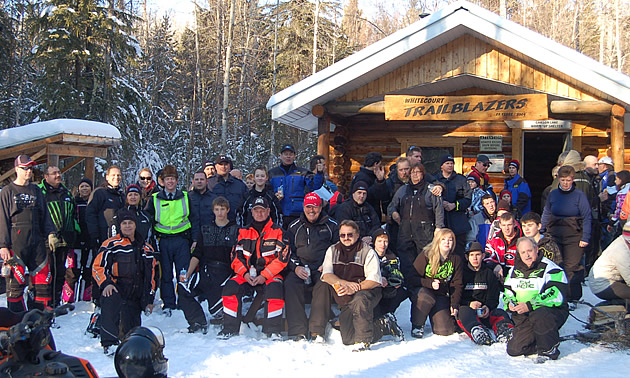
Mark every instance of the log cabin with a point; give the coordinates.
(463, 81)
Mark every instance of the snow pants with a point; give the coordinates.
(58, 268)
(387, 305)
(437, 308)
(536, 331)
(295, 299)
(232, 304)
(174, 250)
(467, 319)
(118, 316)
(567, 233)
(30, 253)
(79, 271)
(617, 290)
(356, 319)
(207, 284)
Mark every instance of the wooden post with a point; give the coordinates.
(517, 145)
(616, 142)
(323, 139)
(53, 160)
(576, 137)
(89, 169)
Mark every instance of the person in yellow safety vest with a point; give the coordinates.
(170, 212)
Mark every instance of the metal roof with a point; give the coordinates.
(292, 106)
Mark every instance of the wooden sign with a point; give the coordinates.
(490, 143)
(443, 108)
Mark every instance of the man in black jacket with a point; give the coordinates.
(309, 237)
(357, 209)
(103, 204)
(24, 226)
(63, 213)
(226, 185)
(373, 174)
(456, 198)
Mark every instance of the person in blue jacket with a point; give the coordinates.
(521, 195)
(290, 183)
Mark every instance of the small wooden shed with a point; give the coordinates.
(465, 81)
(50, 141)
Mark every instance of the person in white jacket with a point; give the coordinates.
(610, 276)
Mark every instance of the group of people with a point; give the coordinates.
(286, 237)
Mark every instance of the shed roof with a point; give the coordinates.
(292, 106)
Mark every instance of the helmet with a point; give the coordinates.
(141, 354)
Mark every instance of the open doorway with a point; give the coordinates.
(541, 150)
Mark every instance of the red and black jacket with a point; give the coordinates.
(268, 251)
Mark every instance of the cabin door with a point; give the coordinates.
(540, 151)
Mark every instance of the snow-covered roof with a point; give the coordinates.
(292, 106)
(41, 130)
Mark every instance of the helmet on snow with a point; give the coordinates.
(141, 354)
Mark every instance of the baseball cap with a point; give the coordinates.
(359, 185)
(287, 147)
(133, 188)
(23, 161)
(208, 163)
(312, 199)
(606, 160)
(483, 159)
(260, 202)
(223, 159)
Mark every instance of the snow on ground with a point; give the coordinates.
(196, 355)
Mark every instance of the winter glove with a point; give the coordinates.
(53, 242)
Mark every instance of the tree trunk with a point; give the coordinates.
(315, 32)
(618, 37)
(226, 80)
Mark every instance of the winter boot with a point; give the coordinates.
(389, 327)
(225, 334)
(360, 347)
(504, 332)
(417, 332)
(551, 354)
(196, 327)
(480, 335)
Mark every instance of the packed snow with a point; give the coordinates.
(40, 130)
(250, 354)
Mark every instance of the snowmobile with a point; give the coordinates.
(28, 349)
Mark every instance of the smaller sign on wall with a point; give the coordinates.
(490, 143)
(546, 124)
(498, 163)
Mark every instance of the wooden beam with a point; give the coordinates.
(25, 148)
(586, 107)
(89, 169)
(71, 164)
(71, 138)
(72, 150)
(364, 107)
(318, 111)
(616, 142)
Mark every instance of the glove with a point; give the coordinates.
(53, 242)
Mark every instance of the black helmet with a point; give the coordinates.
(141, 354)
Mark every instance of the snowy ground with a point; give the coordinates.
(251, 355)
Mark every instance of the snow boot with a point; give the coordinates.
(504, 332)
(275, 336)
(197, 328)
(225, 334)
(551, 354)
(94, 327)
(480, 335)
(417, 332)
(360, 347)
(389, 327)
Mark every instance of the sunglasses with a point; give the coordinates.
(346, 236)
(27, 168)
(145, 178)
(486, 165)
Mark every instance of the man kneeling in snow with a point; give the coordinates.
(478, 310)
(352, 274)
(260, 254)
(535, 293)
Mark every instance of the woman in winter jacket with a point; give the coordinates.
(440, 285)
(622, 181)
(567, 218)
(417, 211)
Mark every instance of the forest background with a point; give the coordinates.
(183, 95)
